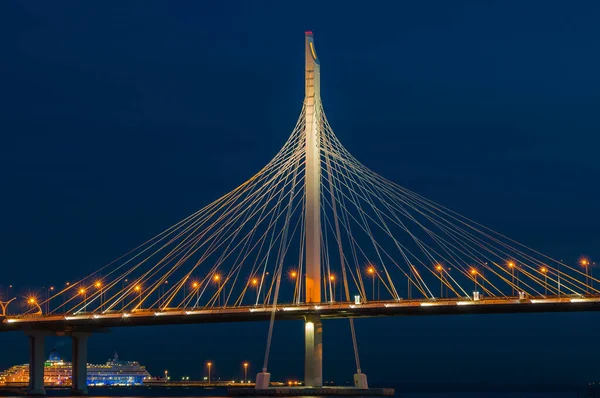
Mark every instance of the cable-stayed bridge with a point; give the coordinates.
(313, 235)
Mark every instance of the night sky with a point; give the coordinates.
(118, 119)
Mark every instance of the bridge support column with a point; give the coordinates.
(313, 351)
(79, 363)
(36, 363)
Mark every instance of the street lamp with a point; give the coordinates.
(371, 271)
(138, 289)
(162, 293)
(254, 283)
(474, 275)
(440, 269)
(98, 286)
(7, 292)
(209, 364)
(196, 287)
(67, 286)
(585, 263)
(217, 279)
(544, 271)
(83, 293)
(245, 372)
(333, 282)
(511, 265)
(50, 289)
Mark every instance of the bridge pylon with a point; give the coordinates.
(313, 327)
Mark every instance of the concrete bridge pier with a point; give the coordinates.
(79, 363)
(36, 363)
(313, 351)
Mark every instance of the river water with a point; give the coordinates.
(412, 392)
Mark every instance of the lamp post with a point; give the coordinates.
(217, 279)
(585, 263)
(98, 286)
(254, 283)
(209, 364)
(371, 271)
(440, 269)
(50, 289)
(138, 289)
(511, 266)
(333, 282)
(84, 294)
(245, 372)
(474, 275)
(196, 287)
(264, 284)
(8, 292)
(293, 276)
(544, 271)
(163, 292)
(67, 286)
(123, 288)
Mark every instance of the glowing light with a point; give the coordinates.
(544, 270)
(138, 288)
(254, 282)
(195, 285)
(82, 291)
(217, 277)
(31, 300)
(371, 270)
(98, 284)
(439, 267)
(511, 264)
(584, 261)
(293, 274)
(473, 271)
(332, 278)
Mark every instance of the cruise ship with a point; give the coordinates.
(57, 372)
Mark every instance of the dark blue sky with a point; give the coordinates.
(119, 119)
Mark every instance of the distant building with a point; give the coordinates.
(58, 372)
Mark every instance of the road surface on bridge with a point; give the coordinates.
(95, 321)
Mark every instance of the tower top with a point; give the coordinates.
(311, 53)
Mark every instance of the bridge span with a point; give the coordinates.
(346, 232)
(90, 322)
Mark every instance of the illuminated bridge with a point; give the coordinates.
(314, 235)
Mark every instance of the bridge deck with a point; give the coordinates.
(92, 321)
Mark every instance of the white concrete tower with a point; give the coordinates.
(313, 370)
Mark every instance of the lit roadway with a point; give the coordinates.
(96, 321)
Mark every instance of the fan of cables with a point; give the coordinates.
(379, 241)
